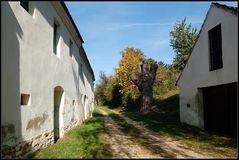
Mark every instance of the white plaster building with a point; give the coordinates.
(46, 78)
(208, 83)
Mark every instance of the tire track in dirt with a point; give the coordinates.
(121, 144)
(146, 143)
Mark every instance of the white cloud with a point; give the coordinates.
(124, 26)
(132, 25)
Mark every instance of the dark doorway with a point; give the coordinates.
(220, 108)
(58, 102)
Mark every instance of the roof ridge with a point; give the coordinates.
(223, 6)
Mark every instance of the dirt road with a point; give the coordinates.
(144, 143)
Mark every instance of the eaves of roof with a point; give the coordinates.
(79, 35)
(72, 21)
(91, 71)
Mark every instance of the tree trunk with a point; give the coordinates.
(146, 99)
(144, 81)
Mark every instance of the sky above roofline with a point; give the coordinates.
(109, 27)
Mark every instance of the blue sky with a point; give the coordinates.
(109, 27)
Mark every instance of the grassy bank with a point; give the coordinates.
(85, 141)
(166, 122)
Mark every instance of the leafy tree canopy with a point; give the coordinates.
(128, 66)
(182, 40)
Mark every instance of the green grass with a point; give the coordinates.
(85, 141)
(166, 122)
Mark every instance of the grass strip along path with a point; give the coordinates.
(84, 141)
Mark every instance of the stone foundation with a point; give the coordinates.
(70, 126)
(24, 148)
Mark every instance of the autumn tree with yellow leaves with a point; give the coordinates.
(121, 89)
(131, 57)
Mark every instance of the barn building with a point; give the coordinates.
(209, 82)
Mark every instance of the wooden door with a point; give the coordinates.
(220, 108)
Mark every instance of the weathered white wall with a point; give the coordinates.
(30, 66)
(197, 75)
(10, 78)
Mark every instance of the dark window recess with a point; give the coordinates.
(80, 69)
(215, 43)
(25, 5)
(70, 47)
(25, 99)
(54, 38)
(188, 105)
(81, 73)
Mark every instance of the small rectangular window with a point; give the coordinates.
(56, 38)
(25, 99)
(70, 48)
(80, 69)
(215, 44)
(25, 5)
(81, 73)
